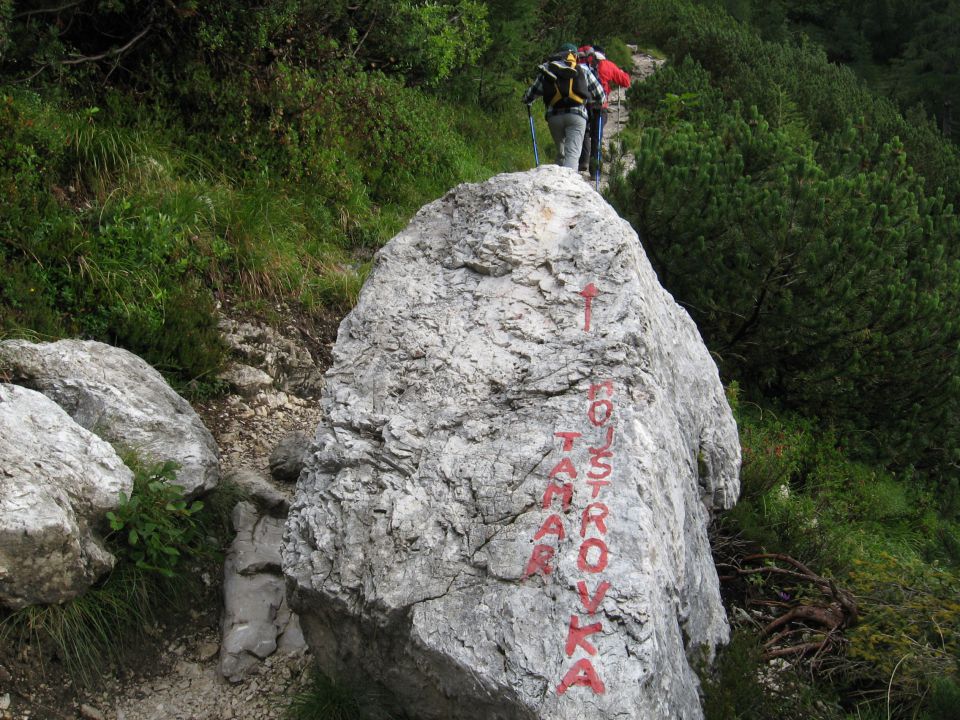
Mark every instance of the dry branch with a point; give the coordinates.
(806, 623)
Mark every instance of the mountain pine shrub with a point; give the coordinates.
(821, 273)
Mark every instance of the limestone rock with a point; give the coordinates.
(289, 457)
(505, 514)
(246, 380)
(57, 482)
(260, 491)
(257, 620)
(120, 397)
(280, 353)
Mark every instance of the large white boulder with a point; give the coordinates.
(505, 513)
(120, 397)
(57, 482)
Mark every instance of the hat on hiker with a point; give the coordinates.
(568, 48)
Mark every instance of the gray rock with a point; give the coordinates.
(256, 618)
(57, 483)
(207, 651)
(261, 492)
(505, 514)
(289, 457)
(118, 396)
(246, 380)
(88, 712)
(281, 354)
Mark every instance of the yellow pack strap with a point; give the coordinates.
(573, 96)
(557, 97)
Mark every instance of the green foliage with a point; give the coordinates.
(927, 72)
(804, 495)
(439, 38)
(944, 699)
(31, 162)
(122, 225)
(761, 73)
(329, 699)
(137, 41)
(512, 54)
(337, 288)
(905, 48)
(741, 686)
(617, 51)
(906, 648)
(163, 545)
(821, 272)
(733, 689)
(878, 536)
(6, 11)
(156, 525)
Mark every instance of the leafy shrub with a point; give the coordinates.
(127, 274)
(156, 526)
(32, 162)
(905, 650)
(183, 339)
(31, 159)
(163, 545)
(762, 73)
(820, 273)
(878, 536)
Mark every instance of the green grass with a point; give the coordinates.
(95, 632)
(325, 698)
(122, 225)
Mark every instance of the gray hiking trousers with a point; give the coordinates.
(567, 130)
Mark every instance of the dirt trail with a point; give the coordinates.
(619, 112)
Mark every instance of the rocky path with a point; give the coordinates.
(247, 427)
(619, 112)
(181, 678)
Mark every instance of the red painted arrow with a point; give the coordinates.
(589, 292)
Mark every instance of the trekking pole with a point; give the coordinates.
(533, 134)
(599, 146)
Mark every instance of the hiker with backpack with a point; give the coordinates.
(608, 74)
(567, 88)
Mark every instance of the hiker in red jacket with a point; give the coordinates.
(608, 74)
